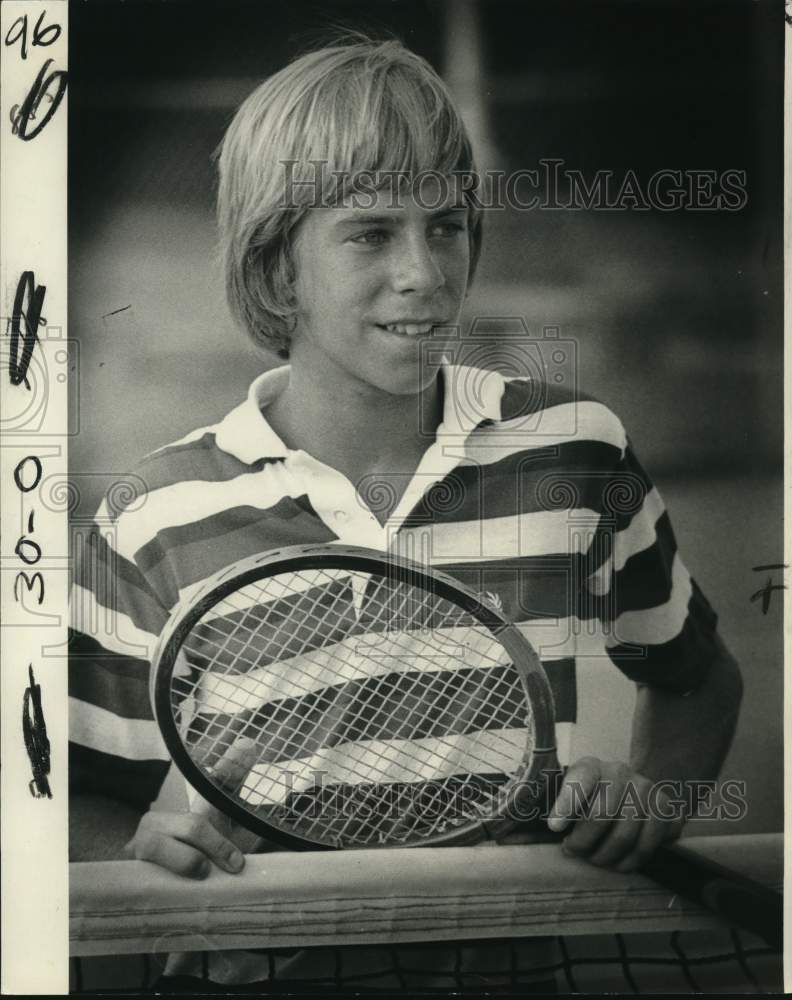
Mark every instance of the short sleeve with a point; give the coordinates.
(659, 627)
(115, 748)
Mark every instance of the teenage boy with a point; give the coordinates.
(351, 233)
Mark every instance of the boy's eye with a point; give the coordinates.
(371, 236)
(448, 228)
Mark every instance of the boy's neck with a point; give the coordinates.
(357, 429)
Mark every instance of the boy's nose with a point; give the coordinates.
(416, 270)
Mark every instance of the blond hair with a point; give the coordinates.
(359, 107)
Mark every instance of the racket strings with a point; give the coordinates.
(411, 651)
(380, 712)
(232, 703)
(414, 685)
(227, 626)
(367, 774)
(440, 700)
(255, 600)
(448, 684)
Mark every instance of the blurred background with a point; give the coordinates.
(676, 317)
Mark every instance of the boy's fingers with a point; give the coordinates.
(606, 834)
(586, 836)
(230, 773)
(174, 855)
(151, 843)
(655, 833)
(651, 837)
(235, 764)
(577, 790)
(197, 832)
(621, 840)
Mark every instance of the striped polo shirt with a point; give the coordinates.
(525, 493)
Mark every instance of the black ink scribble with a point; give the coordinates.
(15, 114)
(26, 290)
(36, 741)
(27, 112)
(765, 593)
(115, 312)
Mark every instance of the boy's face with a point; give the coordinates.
(373, 280)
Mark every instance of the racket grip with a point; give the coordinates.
(739, 900)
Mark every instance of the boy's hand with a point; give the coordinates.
(184, 843)
(617, 819)
(187, 843)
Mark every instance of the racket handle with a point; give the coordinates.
(739, 900)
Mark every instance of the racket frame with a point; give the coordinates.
(527, 794)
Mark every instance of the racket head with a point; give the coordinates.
(206, 656)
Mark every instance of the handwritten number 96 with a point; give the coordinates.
(18, 32)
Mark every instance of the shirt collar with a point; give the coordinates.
(471, 395)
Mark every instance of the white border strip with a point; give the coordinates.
(34, 422)
(787, 499)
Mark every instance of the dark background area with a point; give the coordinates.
(676, 317)
(691, 298)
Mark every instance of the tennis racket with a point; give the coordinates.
(335, 697)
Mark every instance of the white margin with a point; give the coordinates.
(787, 499)
(33, 421)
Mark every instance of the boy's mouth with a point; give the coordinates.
(407, 329)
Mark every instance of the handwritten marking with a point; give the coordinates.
(30, 582)
(26, 548)
(20, 117)
(26, 289)
(19, 477)
(765, 593)
(39, 33)
(37, 743)
(115, 312)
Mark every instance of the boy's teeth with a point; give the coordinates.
(411, 329)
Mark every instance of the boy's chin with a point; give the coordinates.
(406, 380)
